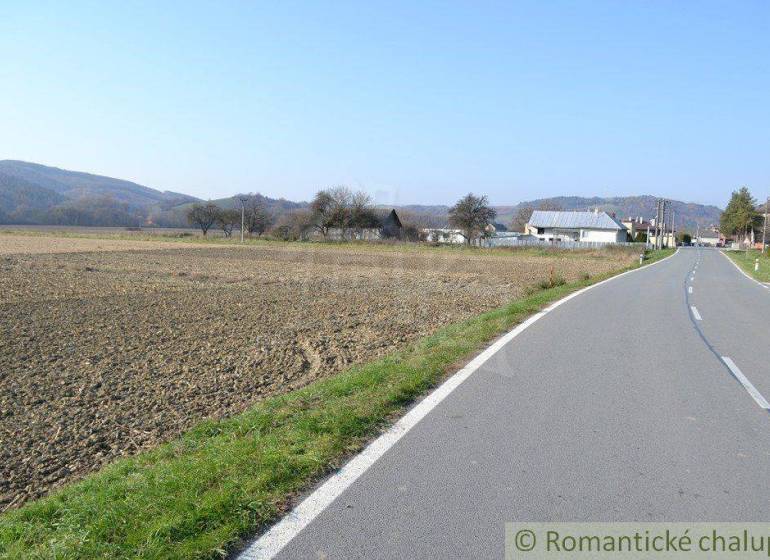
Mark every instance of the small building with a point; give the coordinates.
(392, 228)
(638, 228)
(709, 238)
(591, 227)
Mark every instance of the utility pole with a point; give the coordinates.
(673, 227)
(662, 223)
(657, 225)
(243, 200)
(764, 229)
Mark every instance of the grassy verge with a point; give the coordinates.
(198, 496)
(746, 262)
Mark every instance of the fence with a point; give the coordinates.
(517, 242)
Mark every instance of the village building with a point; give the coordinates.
(591, 227)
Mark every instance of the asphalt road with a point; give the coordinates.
(615, 406)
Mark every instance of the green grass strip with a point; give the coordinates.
(746, 262)
(200, 495)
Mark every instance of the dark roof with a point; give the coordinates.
(392, 220)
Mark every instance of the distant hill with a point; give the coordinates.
(688, 214)
(37, 194)
(277, 206)
(74, 185)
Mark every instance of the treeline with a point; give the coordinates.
(94, 212)
(336, 208)
(98, 211)
(338, 213)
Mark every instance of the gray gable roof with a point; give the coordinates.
(572, 220)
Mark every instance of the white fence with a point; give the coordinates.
(516, 242)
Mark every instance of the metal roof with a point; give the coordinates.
(586, 220)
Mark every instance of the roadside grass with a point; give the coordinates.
(746, 262)
(202, 494)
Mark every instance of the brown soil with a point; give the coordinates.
(107, 350)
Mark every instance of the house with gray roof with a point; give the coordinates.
(593, 227)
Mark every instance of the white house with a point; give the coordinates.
(595, 227)
(709, 237)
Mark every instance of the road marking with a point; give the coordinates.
(756, 395)
(695, 313)
(273, 541)
(689, 289)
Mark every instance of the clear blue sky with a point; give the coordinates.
(415, 102)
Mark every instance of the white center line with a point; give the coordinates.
(756, 395)
(695, 313)
(689, 289)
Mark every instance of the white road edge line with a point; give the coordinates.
(735, 264)
(274, 540)
(756, 395)
(695, 313)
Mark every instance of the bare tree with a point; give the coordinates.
(547, 205)
(362, 213)
(258, 219)
(227, 220)
(203, 215)
(322, 209)
(335, 208)
(471, 215)
(523, 214)
(521, 219)
(295, 226)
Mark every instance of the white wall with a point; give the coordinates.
(443, 235)
(603, 236)
(588, 235)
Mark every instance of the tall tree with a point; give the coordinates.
(741, 215)
(203, 215)
(471, 214)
